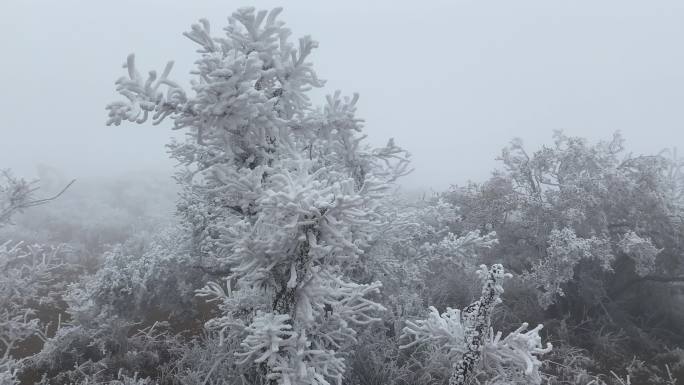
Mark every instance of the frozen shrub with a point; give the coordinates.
(466, 336)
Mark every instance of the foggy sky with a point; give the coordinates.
(451, 81)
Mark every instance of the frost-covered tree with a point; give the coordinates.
(17, 194)
(594, 233)
(574, 203)
(279, 199)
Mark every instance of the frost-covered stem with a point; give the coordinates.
(477, 317)
(285, 298)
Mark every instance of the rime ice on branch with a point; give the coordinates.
(278, 197)
(467, 337)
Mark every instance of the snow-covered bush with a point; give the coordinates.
(564, 252)
(8, 371)
(420, 259)
(641, 250)
(419, 244)
(460, 250)
(129, 292)
(31, 285)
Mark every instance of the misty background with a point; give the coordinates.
(451, 81)
(265, 271)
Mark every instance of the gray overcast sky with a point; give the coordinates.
(452, 81)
